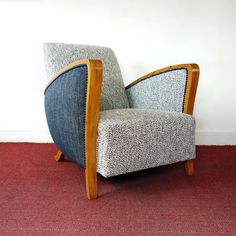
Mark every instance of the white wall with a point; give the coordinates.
(145, 35)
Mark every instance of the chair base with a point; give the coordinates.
(189, 168)
(91, 179)
(59, 156)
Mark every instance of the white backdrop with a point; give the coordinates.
(145, 35)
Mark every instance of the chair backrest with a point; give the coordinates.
(58, 55)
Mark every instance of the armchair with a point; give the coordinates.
(107, 128)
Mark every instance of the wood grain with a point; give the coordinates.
(191, 88)
(94, 87)
(190, 94)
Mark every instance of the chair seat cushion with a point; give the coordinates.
(135, 139)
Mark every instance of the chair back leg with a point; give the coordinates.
(189, 167)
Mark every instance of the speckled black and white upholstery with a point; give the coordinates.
(58, 55)
(136, 139)
(140, 128)
(164, 91)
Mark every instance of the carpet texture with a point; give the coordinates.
(39, 196)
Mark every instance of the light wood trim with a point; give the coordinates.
(66, 68)
(94, 87)
(166, 69)
(190, 94)
(191, 88)
(189, 167)
(59, 156)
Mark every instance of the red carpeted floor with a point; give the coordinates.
(41, 197)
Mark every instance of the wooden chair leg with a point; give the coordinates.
(59, 156)
(91, 184)
(189, 168)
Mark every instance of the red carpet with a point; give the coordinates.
(41, 197)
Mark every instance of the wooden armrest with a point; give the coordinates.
(94, 87)
(191, 87)
(92, 108)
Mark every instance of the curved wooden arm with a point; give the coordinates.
(94, 86)
(95, 72)
(191, 87)
(69, 67)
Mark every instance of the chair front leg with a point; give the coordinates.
(91, 183)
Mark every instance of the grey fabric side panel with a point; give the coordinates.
(58, 55)
(65, 101)
(165, 91)
(136, 139)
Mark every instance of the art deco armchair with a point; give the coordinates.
(107, 128)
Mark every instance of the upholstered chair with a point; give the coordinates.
(112, 130)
